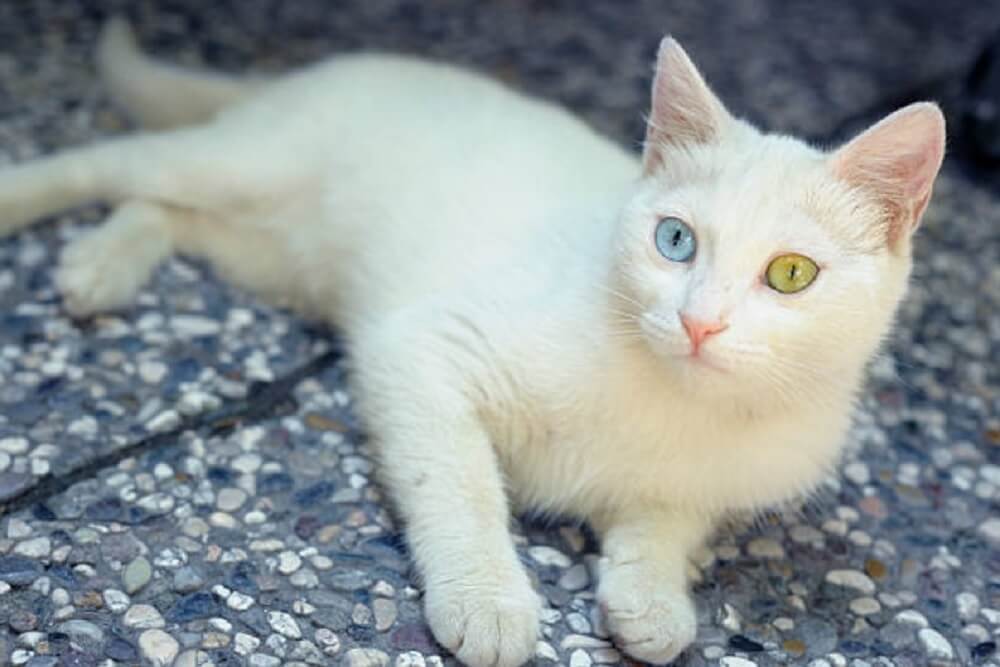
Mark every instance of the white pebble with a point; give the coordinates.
(852, 579)
(734, 661)
(990, 529)
(158, 647)
(284, 624)
(865, 606)
(547, 556)
(38, 547)
(968, 605)
(143, 616)
(288, 562)
(912, 617)
(935, 645)
(765, 548)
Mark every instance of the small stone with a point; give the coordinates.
(81, 631)
(239, 601)
(875, 568)
(143, 616)
(247, 463)
(865, 606)
(857, 473)
(578, 623)
(547, 556)
(852, 579)
(194, 527)
(410, 659)
(264, 660)
(230, 499)
(164, 421)
(744, 643)
(18, 529)
(606, 656)
(381, 588)
(194, 326)
(580, 658)
(284, 624)
(765, 548)
(121, 651)
(288, 562)
(328, 639)
(116, 600)
(22, 620)
(968, 606)
(729, 618)
(990, 529)
(795, 647)
(319, 422)
(244, 644)
(136, 575)
(158, 647)
(575, 578)
(304, 578)
(191, 658)
(385, 613)
(187, 580)
(735, 661)
(39, 547)
(935, 645)
(366, 657)
(14, 445)
(214, 640)
(913, 618)
(18, 570)
(575, 641)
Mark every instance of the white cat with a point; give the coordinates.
(534, 316)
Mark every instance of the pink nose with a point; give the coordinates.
(698, 331)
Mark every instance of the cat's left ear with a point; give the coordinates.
(684, 109)
(897, 160)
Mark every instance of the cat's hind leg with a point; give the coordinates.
(105, 268)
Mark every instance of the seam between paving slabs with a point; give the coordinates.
(261, 402)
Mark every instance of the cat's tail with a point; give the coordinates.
(160, 95)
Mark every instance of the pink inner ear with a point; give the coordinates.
(898, 160)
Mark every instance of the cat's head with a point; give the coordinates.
(756, 267)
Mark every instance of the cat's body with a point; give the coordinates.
(479, 250)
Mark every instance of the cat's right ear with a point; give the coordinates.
(684, 110)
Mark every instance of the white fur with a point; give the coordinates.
(513, 331)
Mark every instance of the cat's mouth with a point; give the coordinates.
(676, 346)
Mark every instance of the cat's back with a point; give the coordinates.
(431, 173)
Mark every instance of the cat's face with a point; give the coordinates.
(756, 267)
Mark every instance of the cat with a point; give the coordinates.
(535, 317)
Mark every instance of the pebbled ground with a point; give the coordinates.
(184, 483)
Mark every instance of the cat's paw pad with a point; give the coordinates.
(104, 270)
(485, 624)
(649, 622)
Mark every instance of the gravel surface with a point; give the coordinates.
(175, 492)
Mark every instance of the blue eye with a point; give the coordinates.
(675, 240)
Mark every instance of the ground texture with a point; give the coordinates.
(184, 483)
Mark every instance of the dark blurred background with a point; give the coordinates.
(818, 69)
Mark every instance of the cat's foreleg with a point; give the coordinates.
(105, 268)
(441, 471)
(643, 588)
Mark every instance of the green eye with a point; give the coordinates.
(791, 273)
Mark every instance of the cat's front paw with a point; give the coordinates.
(650, 620)
(487, 621)
(105, 268)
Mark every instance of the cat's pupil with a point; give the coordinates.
(677, 238)
(792, 271)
